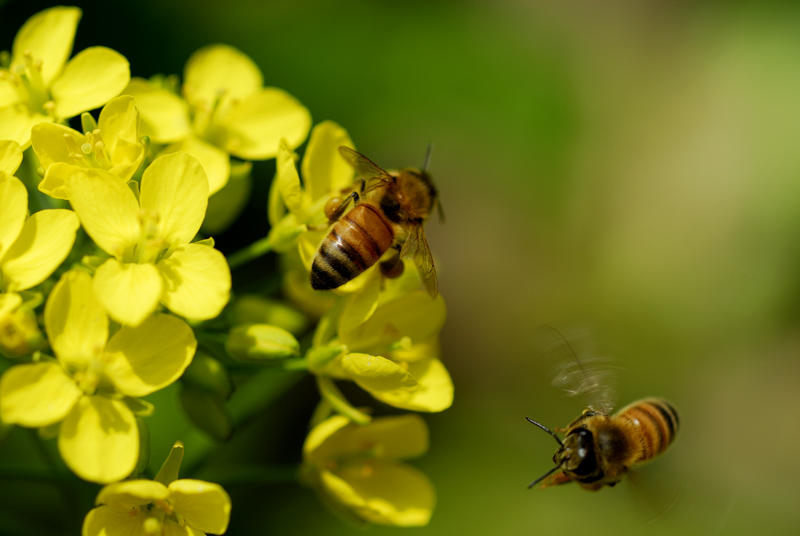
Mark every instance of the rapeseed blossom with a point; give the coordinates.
(112, 145)
(224, 111)
(91, 317)
(40, 85)
(164, 505)
(31, 248)
(86, 388)
(149, 239)
(388, 345)
(357, 470)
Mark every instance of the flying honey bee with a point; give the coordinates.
(599, 448)
(390, 210)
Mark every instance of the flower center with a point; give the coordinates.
(92, 153)
(151, 245)
(92, 378)
(26, 79)
(206, 116)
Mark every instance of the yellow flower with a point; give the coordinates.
(30, 248)
(149, 239)
(112, 145)
(19, 332)
(85, 388)
(40, 85)
(387, 343)
(225, 111)
(161, 506)
(356, 470)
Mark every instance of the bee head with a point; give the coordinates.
(577, 454)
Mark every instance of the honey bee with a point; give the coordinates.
(390, 210)
(599, 448)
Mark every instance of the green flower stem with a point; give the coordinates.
(339, 403)
(247, 254)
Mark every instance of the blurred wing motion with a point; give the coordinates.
(416, 247)
(365, 168)
(578, 373)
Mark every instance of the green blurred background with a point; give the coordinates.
(631, 165)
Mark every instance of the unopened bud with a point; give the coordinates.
(255, 343)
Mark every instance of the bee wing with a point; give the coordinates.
(416, 247)
(579, 371)
(365, 168)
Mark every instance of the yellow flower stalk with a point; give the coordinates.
(149, 238)
(225, 111)
(40, 85)
(162, 506)
(86, 387)
(112, 145)
(357, 470)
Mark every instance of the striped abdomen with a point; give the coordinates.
(655, 421)
(354, 244)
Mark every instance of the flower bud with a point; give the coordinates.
(207, 411)
(207, 374)
(253, 309)
(255, 343)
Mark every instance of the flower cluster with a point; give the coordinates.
(111, 288)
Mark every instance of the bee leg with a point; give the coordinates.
(392, 267)
(336, 207)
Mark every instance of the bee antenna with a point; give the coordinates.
(427, 160)
(549, 431)
(548, 473)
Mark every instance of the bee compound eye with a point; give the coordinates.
(584, 451)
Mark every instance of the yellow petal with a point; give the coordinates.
(119, 126)
(76, 323)
(13, 209)
(55, 180)
(150, 356)
(435, 391)
(48, 35)
(129, 292)
(384, 493)
(132, 493)
(376, 374)
(8, 93)
(48, 140)
(90, 79)
(108, 210)
(414, 315)
(360, 306)
(44, 242)
(204, 505)
(198, 281)
(36, 395)
(175, 187)
(255, 125)
(16, 124)
(398, 437)
(216, 163)
(99, 439)
(119, 119)
(164, 116)
(324, 169)
(220, 72)
(110, 520)
(319, 445)
(10, 156)
(289, 181)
